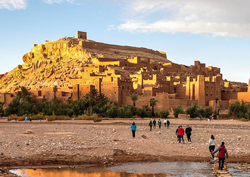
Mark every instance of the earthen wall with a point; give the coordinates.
(229, 95)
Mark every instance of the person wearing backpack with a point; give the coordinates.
(159, 123)
(221, 155)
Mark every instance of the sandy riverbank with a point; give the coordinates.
(86, 142)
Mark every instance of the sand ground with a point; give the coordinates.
(110, 141)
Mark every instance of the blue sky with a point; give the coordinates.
(216, 33)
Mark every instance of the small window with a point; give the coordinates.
(211, 94)
(115, 92)
(122, 87)
(206, 94)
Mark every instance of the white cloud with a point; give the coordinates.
(111, 27)
(227, 18)
(58, 1)
(13, 4)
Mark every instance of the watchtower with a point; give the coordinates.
(81, 35)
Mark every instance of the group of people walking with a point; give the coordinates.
(180, 133)
(153, 124)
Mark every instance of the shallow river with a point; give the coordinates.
(173, 169)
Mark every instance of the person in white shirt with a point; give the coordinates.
(212, 144)
(165, 122)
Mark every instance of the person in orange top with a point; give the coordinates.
(180, 134)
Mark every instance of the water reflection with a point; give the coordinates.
(77, 173)
(173, 169)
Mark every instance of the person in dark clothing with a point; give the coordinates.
(168, 123)
(133, 128)
(176, 132)
(222, 151)
(159, 123)
(154, 123)
(150, 125)
(30, 119)
(188, 133)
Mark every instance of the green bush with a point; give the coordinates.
(128, 114)
(164, 113)
(193, 111)
(202, 112)
(112, 112)
(125, 111)
(143, 111)
(178, 110)
(208, 112)
(240, 110)
(121, 112)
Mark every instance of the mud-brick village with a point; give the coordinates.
(134, 88)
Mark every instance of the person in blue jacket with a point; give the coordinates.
(133, 128)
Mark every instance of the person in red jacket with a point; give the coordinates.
(180, 134)
(222, 151)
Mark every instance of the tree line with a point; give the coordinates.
(92, 103)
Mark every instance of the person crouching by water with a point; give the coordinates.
(212, 144)
(150, 125)
(180, 134)
(222, 151)
(133, 128)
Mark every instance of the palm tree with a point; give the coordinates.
(153, 102)
(91, 97)
(24, 95)
(93, 93)
(1, 109)
(103, 98)
(134, 98)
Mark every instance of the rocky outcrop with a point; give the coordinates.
(52, 62)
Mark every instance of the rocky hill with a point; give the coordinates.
(52, 62)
